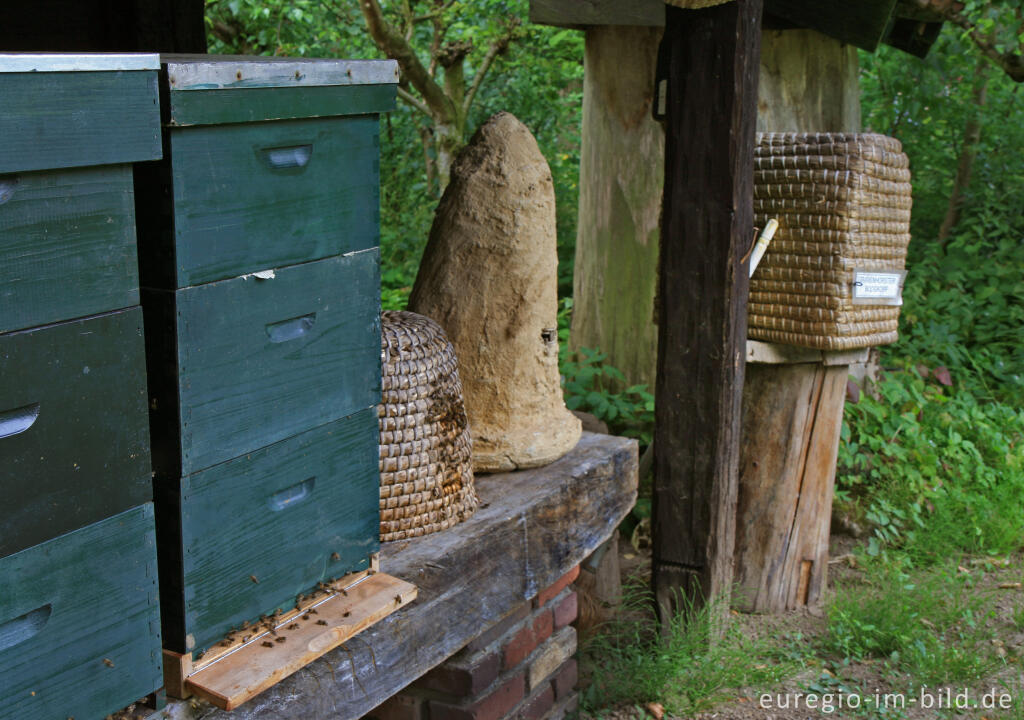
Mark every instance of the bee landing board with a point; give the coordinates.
(253, 659)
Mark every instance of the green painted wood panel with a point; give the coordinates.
(79, 622)
(262, 195)
(74, 437)
(61, 120)
(217, 107)
(67, 245)
(258, 361)
(278, 515)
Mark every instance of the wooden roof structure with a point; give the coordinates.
(865, 24)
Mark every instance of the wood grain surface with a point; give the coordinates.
(74, 440)
(79, 621)
(62, 120)
(67, 245)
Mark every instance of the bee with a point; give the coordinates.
(293, 626)
(343, 592)
(267, 643)
(254, 579)
(321, 622)
(346, 613)
(280, 640)
(398, 599)
(335, 557)
(246, 638)
(312, 611)
(108, 662)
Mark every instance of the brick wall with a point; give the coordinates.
(521, 668)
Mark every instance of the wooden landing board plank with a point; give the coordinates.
(777, 354)
(272, 655)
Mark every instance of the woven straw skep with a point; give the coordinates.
(843, 203)
(426, 463)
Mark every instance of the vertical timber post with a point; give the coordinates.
(711, 60)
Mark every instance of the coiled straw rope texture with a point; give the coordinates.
(843, 203)
(426, 460)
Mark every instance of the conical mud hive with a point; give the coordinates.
(489, 278)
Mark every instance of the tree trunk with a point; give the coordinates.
(968, 151)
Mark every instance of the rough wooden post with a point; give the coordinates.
(621, 179)
(792, 415)
(712, 60)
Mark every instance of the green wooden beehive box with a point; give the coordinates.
(73, 433)
(79, 611)
(261, 291)
(79, 621)
(269, 162)
(71, 126)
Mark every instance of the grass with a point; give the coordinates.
(699, 663)
(929, 625)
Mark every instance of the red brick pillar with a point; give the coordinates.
(521, 668)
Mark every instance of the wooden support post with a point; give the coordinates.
(712, 58)
(792, 415)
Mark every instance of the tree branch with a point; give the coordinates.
(497, 48)
(1012, 63)
(414, 101)
(434, 14)
(391, 42)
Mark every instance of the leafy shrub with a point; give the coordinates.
(585, 373)
(936, 468)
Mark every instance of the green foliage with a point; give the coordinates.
(935, 462)
(588, 382)
(690, 669)
(937, 469)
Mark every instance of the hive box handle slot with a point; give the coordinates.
(292, 495)
(287, 158)
(7, 186)
(18, 420)
(286, 330)
(16, 631)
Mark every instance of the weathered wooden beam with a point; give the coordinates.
(621, 180)
(579, 13)
(712, 58)
(863, 23)
(532, 527)
(173, 26)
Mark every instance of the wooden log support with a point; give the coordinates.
(621, 180)
(792, 415)
(707, 225)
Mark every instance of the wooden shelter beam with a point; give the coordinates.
(711, 59)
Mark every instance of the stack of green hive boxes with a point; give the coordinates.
(79, 629)
(261, 290)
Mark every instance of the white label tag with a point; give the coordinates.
(872, 287)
